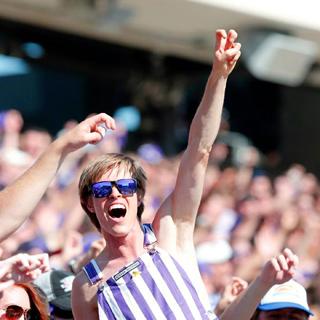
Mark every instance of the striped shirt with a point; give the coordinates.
(154, 286)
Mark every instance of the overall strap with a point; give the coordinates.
(92, 271)
(149, 236)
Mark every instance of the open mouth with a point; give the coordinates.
(117, 211)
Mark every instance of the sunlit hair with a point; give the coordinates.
(39, 308)
(100, 166)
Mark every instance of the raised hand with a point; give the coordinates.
(96, 247)
(23, 268)
(227, 52)
(280, 268)
(90, 130)
(16, 201)
(230, 293)
(277, 270)
(13, 121)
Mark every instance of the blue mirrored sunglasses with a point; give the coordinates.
(127, 187)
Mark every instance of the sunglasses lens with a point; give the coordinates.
(127, 187)
(14, 312)
(101, 189)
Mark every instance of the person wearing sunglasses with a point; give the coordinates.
(150, 271)
(16, 200)
(22, 302)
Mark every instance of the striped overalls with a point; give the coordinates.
(154, 286)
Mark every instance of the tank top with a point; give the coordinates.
(154, 286)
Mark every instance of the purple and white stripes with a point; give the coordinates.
(93, 272)
(155, 286)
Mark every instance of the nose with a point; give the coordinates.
(115, 192)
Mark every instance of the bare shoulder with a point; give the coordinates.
(82, 285)
(84, 300)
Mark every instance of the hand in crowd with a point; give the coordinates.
(22, 268)
(280, 268)
(230, 293)
(91, 130)
(72, 246)
(227, 52)
(13, 121)
(95, 249)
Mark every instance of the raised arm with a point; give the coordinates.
(278, 270)
(19, 199)
(178, 213)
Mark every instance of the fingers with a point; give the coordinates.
(227, 51)
(233, 51)
(29, 267)
(101, 130)
(221, 39)
(43, 258)
(97, 246)
(238, 285)
(282, 262)
(231, 38)
(285, 262)
(275, 264)
(27, 262)
(32, 275)
(225, 41)
(97, 126)
(101, 118)
(233, 55)
(292, 259)
(23, 268)
(237, 56)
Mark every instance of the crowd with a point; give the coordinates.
(243, 220)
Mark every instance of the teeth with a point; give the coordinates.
(117, 206)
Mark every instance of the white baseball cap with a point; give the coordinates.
(214, 252)
(290, 294)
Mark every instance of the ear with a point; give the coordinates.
(90, 206)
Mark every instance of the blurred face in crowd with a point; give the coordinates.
(34, 142)
(213, 208)
(221, 274)
(283, 314)
(261, 187)
(13, 298)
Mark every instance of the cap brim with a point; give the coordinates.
(62, 302)
(283, 305)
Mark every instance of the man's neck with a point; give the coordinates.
(127, 247)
